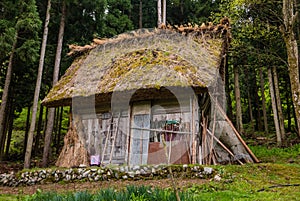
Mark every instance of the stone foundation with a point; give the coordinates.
(93, 174)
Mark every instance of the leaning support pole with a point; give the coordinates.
(234, 130)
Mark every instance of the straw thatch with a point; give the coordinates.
(186, 56)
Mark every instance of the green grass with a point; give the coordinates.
(8, 197)
(277, 155)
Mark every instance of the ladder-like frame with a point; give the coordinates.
(111, 124)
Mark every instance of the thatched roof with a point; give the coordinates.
(186, 56)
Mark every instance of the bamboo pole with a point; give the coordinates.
(235, 131)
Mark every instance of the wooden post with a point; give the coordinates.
(192, 129)
(204, 125)
(128, 136)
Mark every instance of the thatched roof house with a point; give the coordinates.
(144, 90)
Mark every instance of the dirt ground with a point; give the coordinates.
(95, 186)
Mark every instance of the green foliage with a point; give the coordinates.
(183, 12)
(40, 196)
(116, 17)
(149, 13)
(28, 51)
(8, 197)
(16, 145)
(6, 39)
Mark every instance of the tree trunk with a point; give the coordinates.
(59, 129)
(51, 113)
(6, 125)
(263, 99)
(26, 130)
(228, 90)
(287, 31)
(10, 129)
(56, 124)
(249, 97)
(257, 104)
(274, 107)
(6, 93)
(278, 103)
(239, 119)
(38, 131)
(288, 107)
(164, 16)
(159, 17)
(37, 89)
(141, 14)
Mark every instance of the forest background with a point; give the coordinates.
(260, 81)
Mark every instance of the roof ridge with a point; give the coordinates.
(190, 29)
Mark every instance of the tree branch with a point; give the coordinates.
(277, 186)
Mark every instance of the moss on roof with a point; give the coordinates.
(140, 60)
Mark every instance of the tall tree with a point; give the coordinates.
(239, 118)
(164, 12)
(274, 107)
(279, 106)
(141, 14)
(51, 112)
(5, 95)
(24, 24)
(37, 88)
(159, 13)
(263, 99)
(288, 33)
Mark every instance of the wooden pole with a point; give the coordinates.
(204, 125)
(128, 136)
(212, 139)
